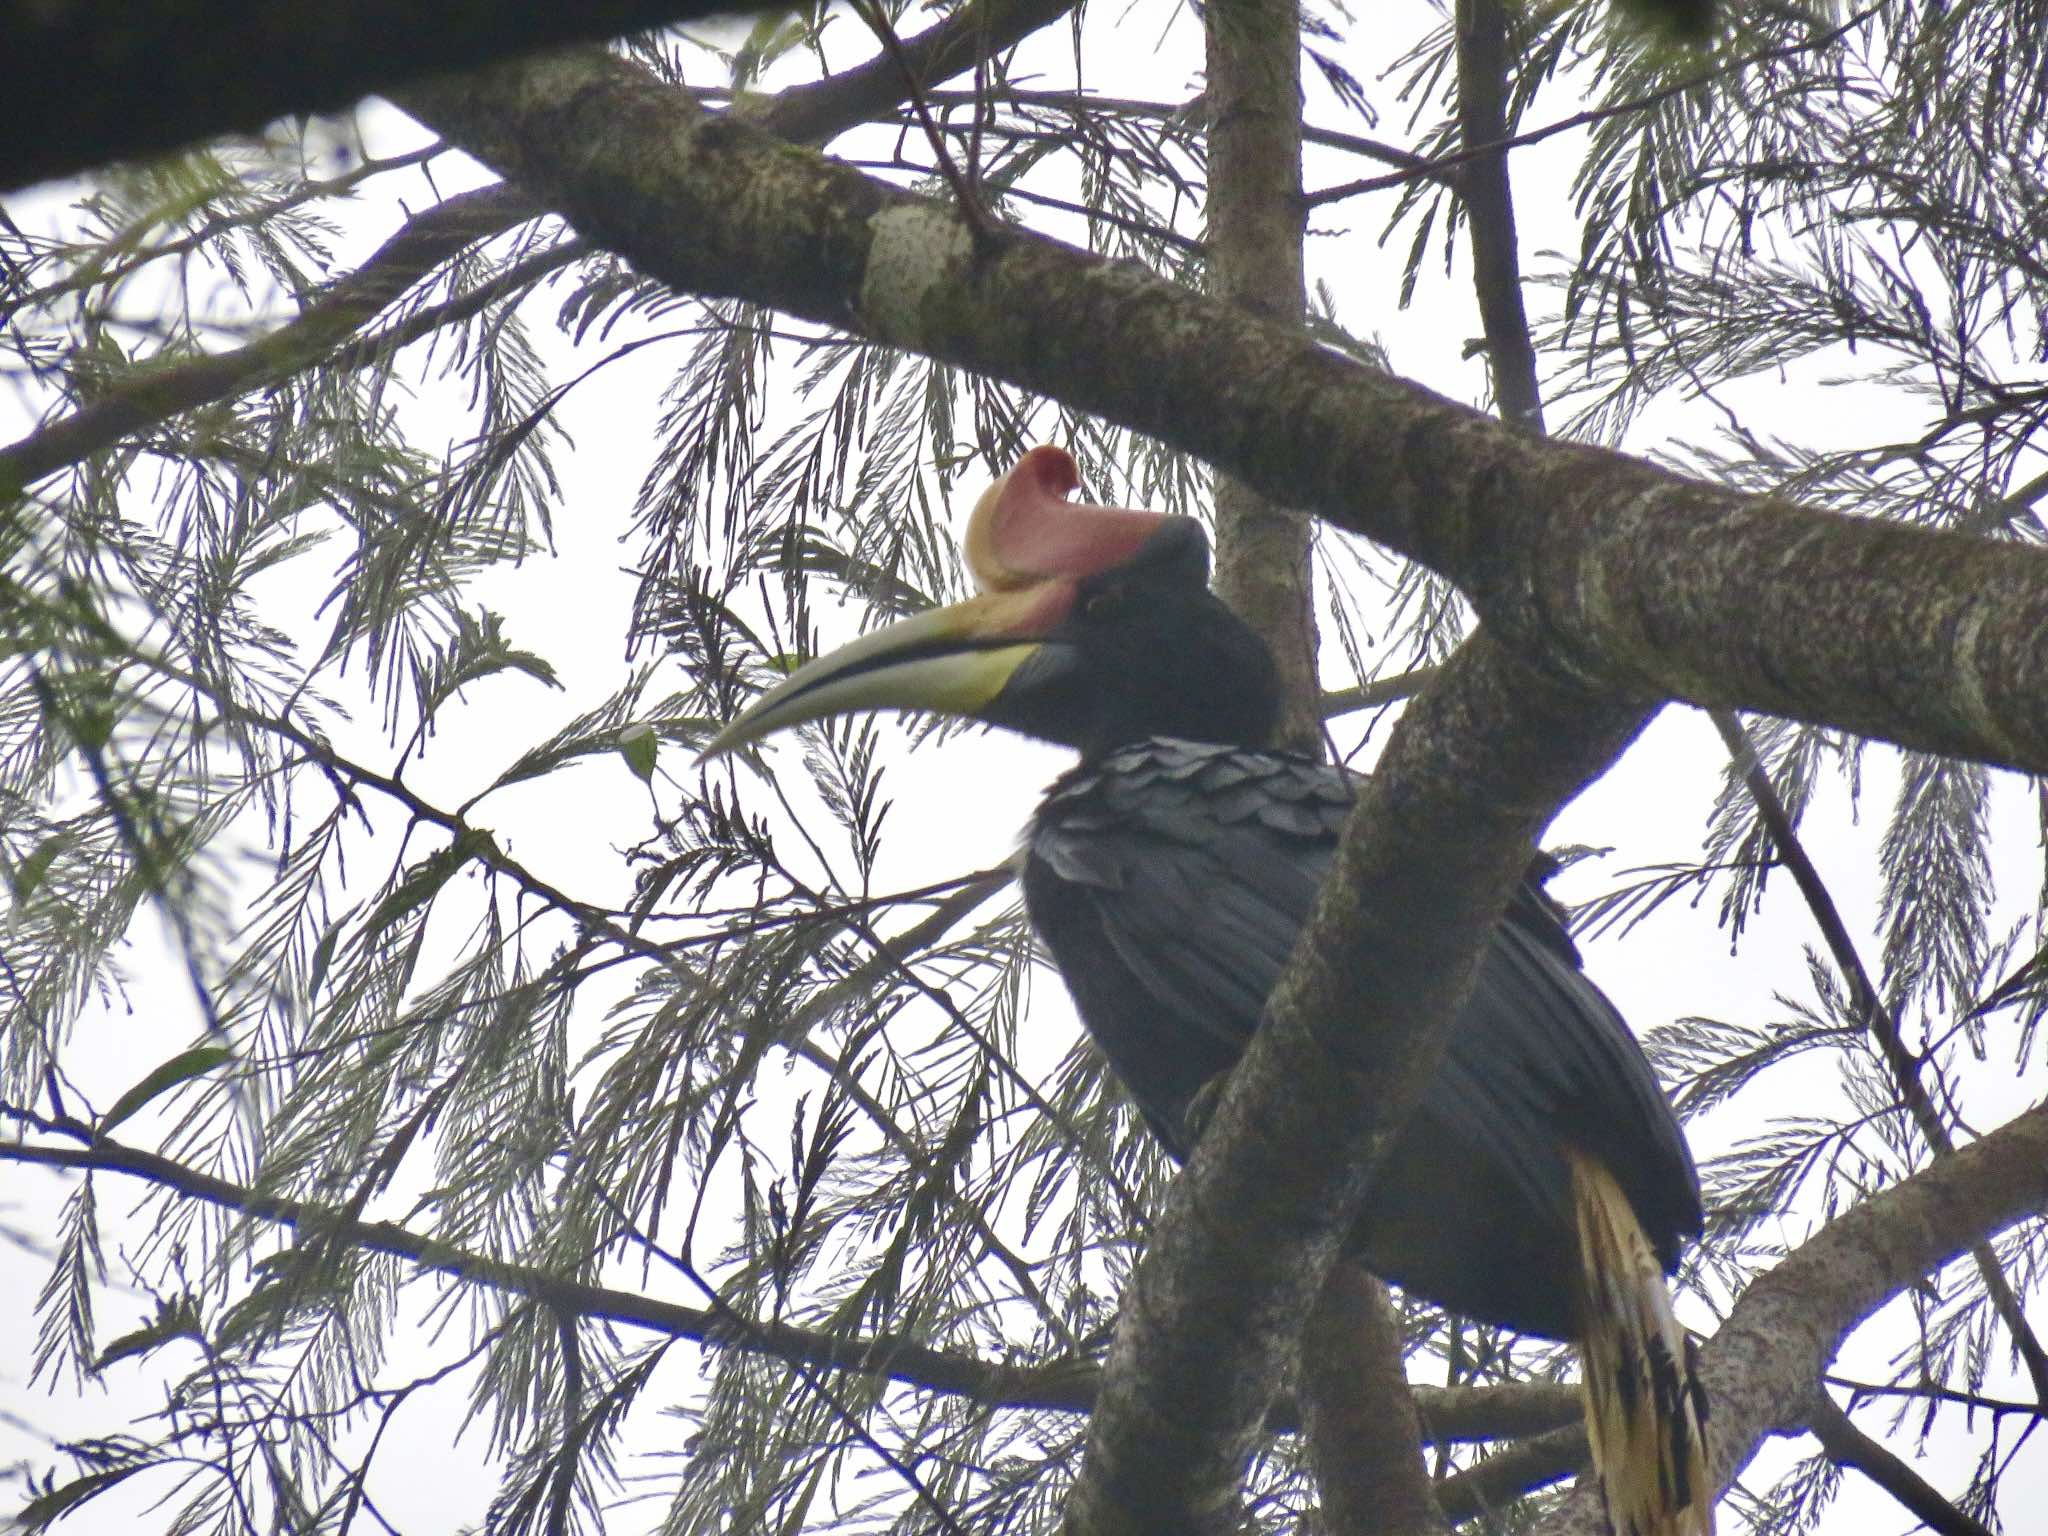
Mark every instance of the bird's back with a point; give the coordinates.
(1169, 880)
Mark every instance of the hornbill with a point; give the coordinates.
(1541, 1183)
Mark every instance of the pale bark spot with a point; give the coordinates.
(913, 250)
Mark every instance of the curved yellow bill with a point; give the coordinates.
(953, 660)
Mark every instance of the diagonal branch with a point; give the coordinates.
(1879, 1021)
(1521, 1469)
(1478, 764)
(1633, 577)
(1851, 1447)
(819, 110)
(152, 396)
(1066, 1386)
(809, 113)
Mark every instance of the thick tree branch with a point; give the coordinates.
(1762, 1368)
(1364, 1430)
(104, 80)
(1520, 1469)
(1360, 1422)
(1254, 245)
(1069, 1386)
(1636, 578)
(153, 396)
(1490, 212)
(1509, 1412)
(1478, 764)
(1497, 279)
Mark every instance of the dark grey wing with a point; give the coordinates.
(1169, 882)
(1169, 885)
(1539, 1058)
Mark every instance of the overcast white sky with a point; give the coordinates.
(968, 799)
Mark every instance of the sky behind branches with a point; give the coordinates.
(968, 797)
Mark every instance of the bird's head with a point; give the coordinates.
(1092, 627)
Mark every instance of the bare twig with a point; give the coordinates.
(1066, 1385)
(1878, 1021)
(1930, 1391)
(1443, 167)
(1851, 1447)
(964, 190)
(1383, 690)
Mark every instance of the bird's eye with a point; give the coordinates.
(1102, 604)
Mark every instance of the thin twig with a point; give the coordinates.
(1059, 1385)
(1443, 167)
(1929, 1391)
(152, 396)
(855, 1423)
(1878, 1020)
(1381, 690)
(1851, 1447)
(964, 193)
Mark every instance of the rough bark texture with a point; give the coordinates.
(1634, 578)
(1490, 1486)
(1360, 1421)
(1256, 216)
(1364, 1433)
(1480, 762)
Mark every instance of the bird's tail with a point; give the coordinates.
(1645, 1412)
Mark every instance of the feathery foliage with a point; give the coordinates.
(623, 1151)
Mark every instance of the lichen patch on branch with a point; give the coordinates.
(915, 250)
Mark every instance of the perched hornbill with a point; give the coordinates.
(1542, 1182)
